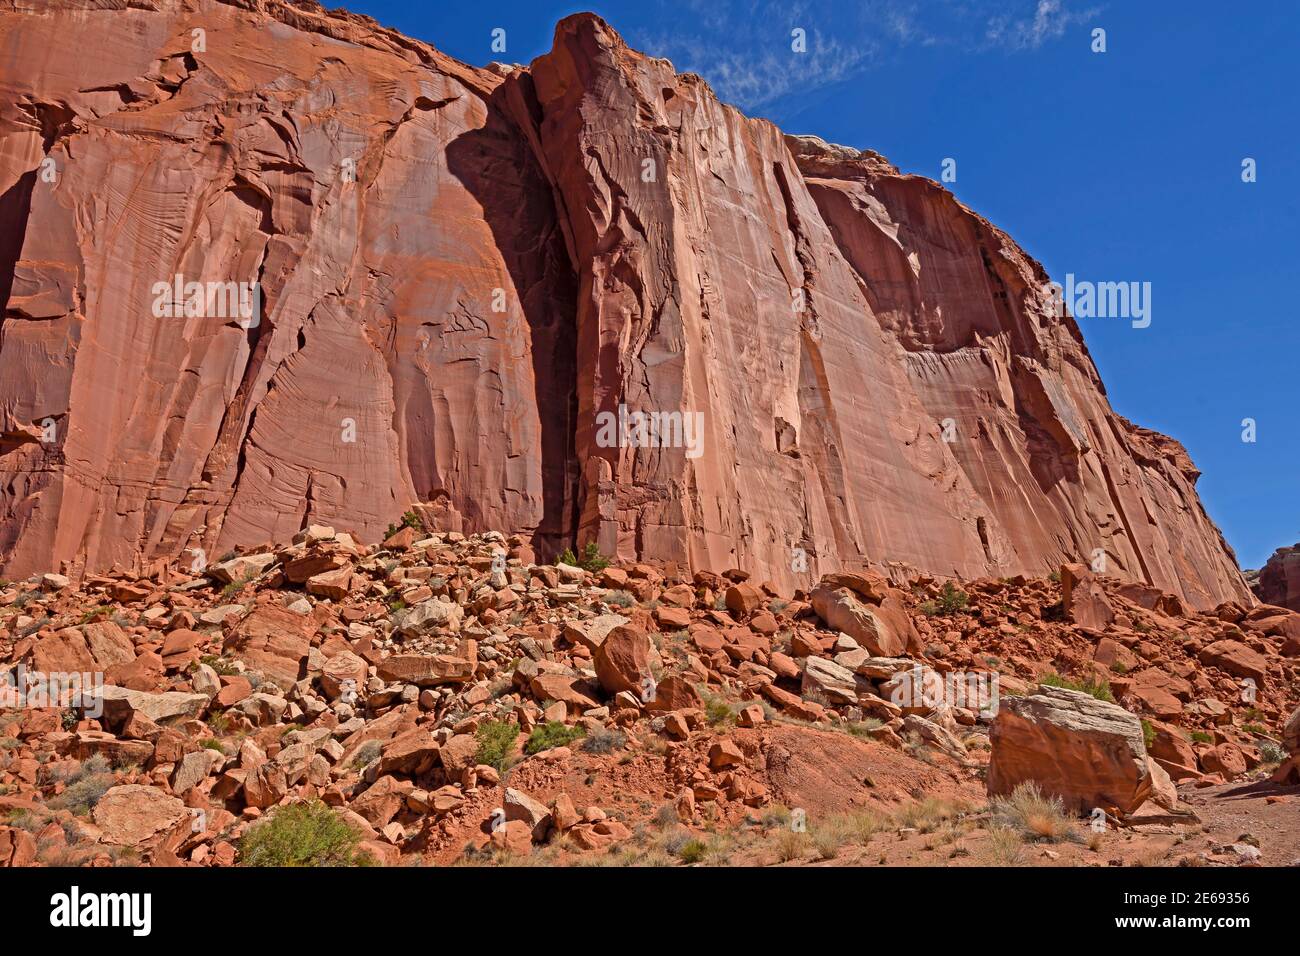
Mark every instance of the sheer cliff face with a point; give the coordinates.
(1279, 580)
(472, 284)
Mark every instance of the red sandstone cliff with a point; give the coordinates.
(1278, 581)
(461, 269)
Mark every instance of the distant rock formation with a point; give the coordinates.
(1278, 581)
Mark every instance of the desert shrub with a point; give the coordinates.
(790, 845)
(774, 816)
(674, 837)
(665, 816)
(553, 733)
(409, 520)
(951, 601)
(863, 728)
(926, 815)
(302, 834)
(692, 851)
(831, 834)
(1148, 733)
(222, 665)
(1033, 815)
(718, 712)
(367, 752)
(1202, 737)
(591, 559)
(604, 740)
(85, 787)
(865, 824)
(219, 722)
(1097, 687)
(619, 598)
(1004, 847)
(98, 610)
(237, 585)
(1271, 752)
(495, 738)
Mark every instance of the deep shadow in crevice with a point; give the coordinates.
(499, 168)
(15, 208)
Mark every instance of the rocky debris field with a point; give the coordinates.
(442, 698)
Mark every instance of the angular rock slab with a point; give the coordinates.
(1088, 752)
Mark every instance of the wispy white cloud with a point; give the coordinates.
(1050, 21)
(743, 47)
(761, 74)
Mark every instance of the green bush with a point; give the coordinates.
(495, 738)
(98, 610)
(1148, 734)
(1097, 688)
(692, 851)
(222, 665)
(718, 712)
(551, 734)
(302, 834)
(591, 560)
(409, 520)
(951, 601)
(237, 585)
(863, 728)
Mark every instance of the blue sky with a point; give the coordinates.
(1122, 165)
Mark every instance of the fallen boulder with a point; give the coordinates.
(623, 660)
(871, 629)
(131, 815)
(1084, 599)
(1088, 752)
